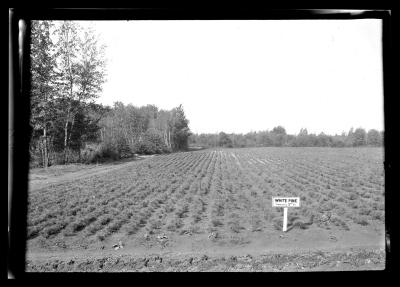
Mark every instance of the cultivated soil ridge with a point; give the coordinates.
(353, 259)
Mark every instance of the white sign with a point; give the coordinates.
(285, 202)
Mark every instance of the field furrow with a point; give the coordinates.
(215, 198)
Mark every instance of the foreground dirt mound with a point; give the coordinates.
(308, 261)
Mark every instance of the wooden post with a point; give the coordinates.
(285, 209)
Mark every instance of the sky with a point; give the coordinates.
(242, 76)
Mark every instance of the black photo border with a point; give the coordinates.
(19, 103)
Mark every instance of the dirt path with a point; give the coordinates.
(38, 178)
(295, 251)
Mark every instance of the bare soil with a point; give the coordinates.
(350, 260)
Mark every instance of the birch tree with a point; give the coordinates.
(81, 73)
(42, 84)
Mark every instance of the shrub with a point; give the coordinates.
(300, 224)
(353, 196)
(105, 220)
(377, 215)
(196, 218)
(123, 150)
(33, 232)
(154, 203)
(256, 225)
(235, 226)
(216, 222)
(364, 211)
(151, 143)
(53, 230)
(132, 227)
(156, 224)
(175, 224)
(338, 143)
(218, 209)
(78, 226)
(361, 220)
(341, 199)
(332, 194)
(143, 220)
(339, 222)
(345, 226)
(181, 213)
(99, 153)
(114, 227)
(144, 147)
(101, 236)
(277, 223)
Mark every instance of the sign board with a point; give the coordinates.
(285, 202)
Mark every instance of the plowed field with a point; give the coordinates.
(215, 202)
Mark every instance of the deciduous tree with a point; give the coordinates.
(42, 83)
(374, 138)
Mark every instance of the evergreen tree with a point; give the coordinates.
(179, 129)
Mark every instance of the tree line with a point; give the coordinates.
(127, 129)
(68, 70)
(278, 137)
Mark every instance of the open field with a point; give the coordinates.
(213, 203)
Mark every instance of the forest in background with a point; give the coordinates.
(278, 137)
(68, 70)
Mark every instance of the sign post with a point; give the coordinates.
(285, 202)
(284, 219)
